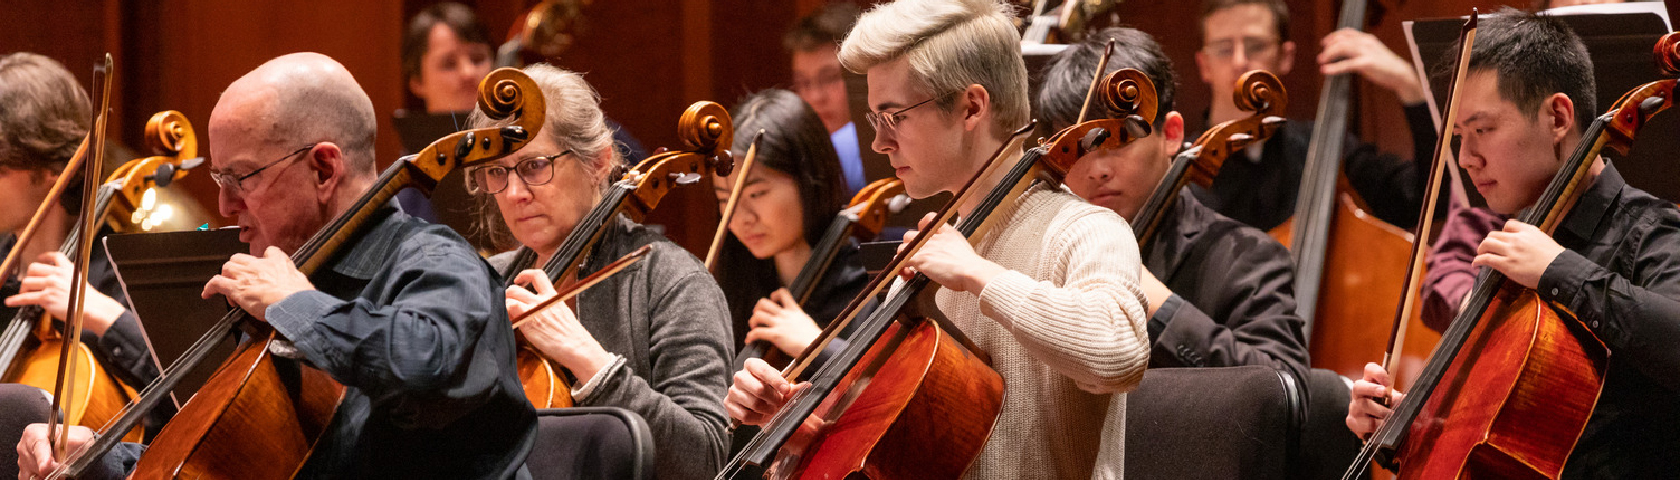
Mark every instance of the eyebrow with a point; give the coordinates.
(1474, 117)
(726, 187)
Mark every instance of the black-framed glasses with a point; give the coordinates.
(234, 184)
(888, 121)
(494, 178)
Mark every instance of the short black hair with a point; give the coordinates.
(1534, 56)
(1280, 14)
(826, 26)
(1068, 76)
(417, 38)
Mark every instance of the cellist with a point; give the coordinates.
(653, 339)
(1528, 95)
(408, 318)
(1218, 289)
(47, 114)
(1050, 293)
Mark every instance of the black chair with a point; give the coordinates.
(1327, 446)
(591, 442)
(1228, 422)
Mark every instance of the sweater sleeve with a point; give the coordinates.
(1091, 326)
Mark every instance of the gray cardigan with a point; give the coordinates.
(667, 318)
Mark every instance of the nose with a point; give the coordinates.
(1469, 155)
(228, 204)
(516, 189)
(884, 142)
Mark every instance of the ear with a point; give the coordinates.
(417, 88)
(1172, 134)
(1558, 113)
(976, 105)
(1286, 60)
(601, 166)
(327, 166)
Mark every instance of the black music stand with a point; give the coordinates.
(1619, 40)
(163, 274)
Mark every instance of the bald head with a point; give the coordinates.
(298, 99)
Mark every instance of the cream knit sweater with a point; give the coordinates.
(1065, 329)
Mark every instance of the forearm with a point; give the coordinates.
(1093, 332)
(1189, 337)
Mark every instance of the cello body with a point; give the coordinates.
(545, 384)
(99, 396)
(1365, 261)
(257, 417)
(886, 426)
(1517, 396)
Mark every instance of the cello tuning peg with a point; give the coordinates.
(1273, 120)
(1241, 137)
(897, 203)
(685, 178)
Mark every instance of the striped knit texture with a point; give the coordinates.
(1065, 329)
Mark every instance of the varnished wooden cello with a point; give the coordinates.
(1348, 263)
(1257, 91)
(258, 416)
(30, 347)
(907, 399)
(705, 130)
(1515, 379)
(863, 219)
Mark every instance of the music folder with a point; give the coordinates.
(163, 275)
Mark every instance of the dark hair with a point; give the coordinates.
(795, 143)
(46, 115)
(1068, 75)
(1280, 14)
(1534, 56)
(826, 26)
(417, 37)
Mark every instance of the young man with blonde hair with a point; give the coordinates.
(1050, 293)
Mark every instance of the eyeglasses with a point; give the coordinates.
(1252, 47)
(886, 122)
(234, 184)
(494, 178)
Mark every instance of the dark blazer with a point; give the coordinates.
(1232, 302)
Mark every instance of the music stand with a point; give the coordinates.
(163, 274)
(1619, 40)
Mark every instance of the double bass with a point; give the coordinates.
(705, 130)
(1515, 378)
(909, 396)
(259, 416)
(30, 347)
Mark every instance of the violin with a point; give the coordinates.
(1458, 419)
(287, 404)
(705, 129)
(864, 218)
(923, 367)
(1257, 91)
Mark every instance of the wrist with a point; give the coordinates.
(100, 313)
(977, 278)
(591, 365)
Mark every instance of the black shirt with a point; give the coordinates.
(1232, 301)
(1261, 192)
(1621, 278)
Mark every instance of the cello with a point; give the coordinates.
(909, 397)
(704, 130)
(1257, 91)
(30, 348)
(863, 218)
(258, 416)
(1537, 371)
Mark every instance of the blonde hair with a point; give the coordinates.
(949, 44)
(574, 121)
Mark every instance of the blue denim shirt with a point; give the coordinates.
(412, 322)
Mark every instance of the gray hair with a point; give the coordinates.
(573, 121)
(949, 44)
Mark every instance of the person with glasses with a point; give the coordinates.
(654, 338)
(1050, 292)
(407, 317)
(1259, 187)
(813, 43)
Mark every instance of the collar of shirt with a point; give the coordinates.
(366, 257)
(1589, 210)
